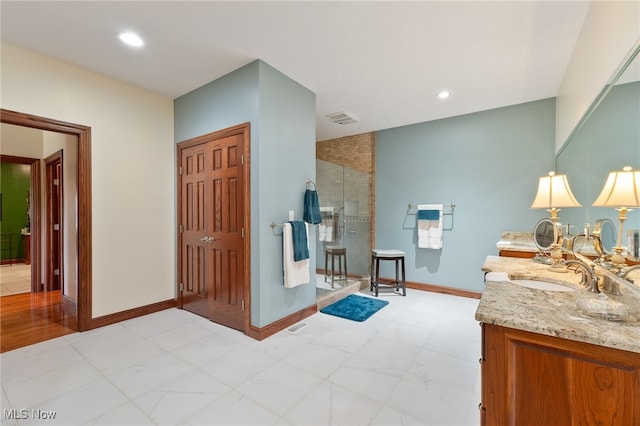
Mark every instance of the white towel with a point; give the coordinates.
(295, 273)
(430, 231)
(325, 228)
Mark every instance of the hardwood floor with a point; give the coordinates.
(30, 318)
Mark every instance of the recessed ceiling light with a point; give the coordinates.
(444, 94)
(131, 39)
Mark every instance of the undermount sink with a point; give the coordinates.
(541, 285)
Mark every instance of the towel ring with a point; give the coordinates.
(310, 182)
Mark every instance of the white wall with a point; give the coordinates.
(609, 32)
(132, 161)
(20, 142)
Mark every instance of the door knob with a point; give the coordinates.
(207, 240)
(204, 239)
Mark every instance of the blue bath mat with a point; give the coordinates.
(355, 308)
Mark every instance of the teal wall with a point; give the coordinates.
(282, 117)
(608, 141)
(15, 181)
(488, 163)
(287, 158)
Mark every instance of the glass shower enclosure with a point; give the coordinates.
(344, 195)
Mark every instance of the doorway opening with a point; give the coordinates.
(19, 224)
(77, 301)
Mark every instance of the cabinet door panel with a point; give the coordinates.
(539, 385)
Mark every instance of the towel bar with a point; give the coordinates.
(413, 209)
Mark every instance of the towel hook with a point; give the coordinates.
(310, 182)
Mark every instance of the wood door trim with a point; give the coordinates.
(83, 171)
(52, 160)
(36, 243)
(244, 130)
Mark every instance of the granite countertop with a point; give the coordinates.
(516, 241)
(553, 313)
(523, 241)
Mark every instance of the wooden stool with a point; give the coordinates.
(397, 256)
(340, 253)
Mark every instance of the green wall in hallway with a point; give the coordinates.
(14, 187)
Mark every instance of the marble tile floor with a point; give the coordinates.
(415, 362)
(15, 279)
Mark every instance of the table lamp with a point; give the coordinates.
(553, 193)
(620, 191)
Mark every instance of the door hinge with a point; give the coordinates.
(181, 286)
(243, 232)
(56, 272)
(180, 170)
(181, 229)
(56, 226)
(243, 305)
(56, 182)
(242, 159)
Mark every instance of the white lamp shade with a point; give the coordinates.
(554, 191)
(622, 189)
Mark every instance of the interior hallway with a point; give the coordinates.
(15, 279)
(413, 362)
(28, 318)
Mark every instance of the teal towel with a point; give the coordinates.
(299, 237)
(428, 214)
(311, 213)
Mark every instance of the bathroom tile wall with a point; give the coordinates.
(357, 153)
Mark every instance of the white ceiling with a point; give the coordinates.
(384, 61)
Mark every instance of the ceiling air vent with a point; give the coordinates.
(342, 117)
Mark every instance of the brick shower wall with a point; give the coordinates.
(358, 153)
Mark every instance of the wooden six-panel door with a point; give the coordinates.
(212, 244)
(226, 300)
(193, 292)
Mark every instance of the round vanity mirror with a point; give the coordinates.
(545, 234)
(605, 231)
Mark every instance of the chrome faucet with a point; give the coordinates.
(589, 277)
(623, 274)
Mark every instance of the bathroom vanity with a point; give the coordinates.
(544, 361)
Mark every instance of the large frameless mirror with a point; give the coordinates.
(607, 139)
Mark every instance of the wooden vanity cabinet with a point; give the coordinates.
(534, 379)
(517, 253)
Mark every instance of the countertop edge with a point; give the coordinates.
(553, 314)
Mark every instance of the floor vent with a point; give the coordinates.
(297, 327)
(342, 117)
